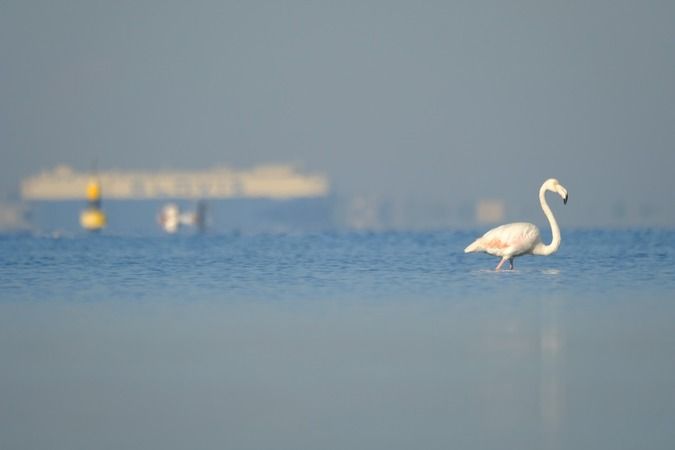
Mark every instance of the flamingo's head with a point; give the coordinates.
(554, 185)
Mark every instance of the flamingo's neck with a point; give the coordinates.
(542, 249)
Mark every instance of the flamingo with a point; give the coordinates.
(521, 238)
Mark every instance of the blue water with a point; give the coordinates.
(381, 340)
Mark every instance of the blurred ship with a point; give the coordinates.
(262, 198)
(278, 182)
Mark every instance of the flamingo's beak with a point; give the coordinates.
(565, 200)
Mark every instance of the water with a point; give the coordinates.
(335, 340)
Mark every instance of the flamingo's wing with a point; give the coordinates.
(507, 240)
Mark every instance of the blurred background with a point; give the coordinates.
(405, 115)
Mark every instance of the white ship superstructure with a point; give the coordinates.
(270, 181)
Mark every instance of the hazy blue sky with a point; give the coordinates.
(443, 101)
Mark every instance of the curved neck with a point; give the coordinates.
(542, 249)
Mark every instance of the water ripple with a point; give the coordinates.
(330, 265)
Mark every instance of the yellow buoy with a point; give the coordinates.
(93, 191)
(92, 219)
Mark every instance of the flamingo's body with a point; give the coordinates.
(515, 239)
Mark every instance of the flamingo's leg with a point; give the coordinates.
(501, 263)
(511, 263)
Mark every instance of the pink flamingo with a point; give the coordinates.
(515, 239)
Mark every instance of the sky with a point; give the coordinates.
(443, 102)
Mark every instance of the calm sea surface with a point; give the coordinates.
(335, 341)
